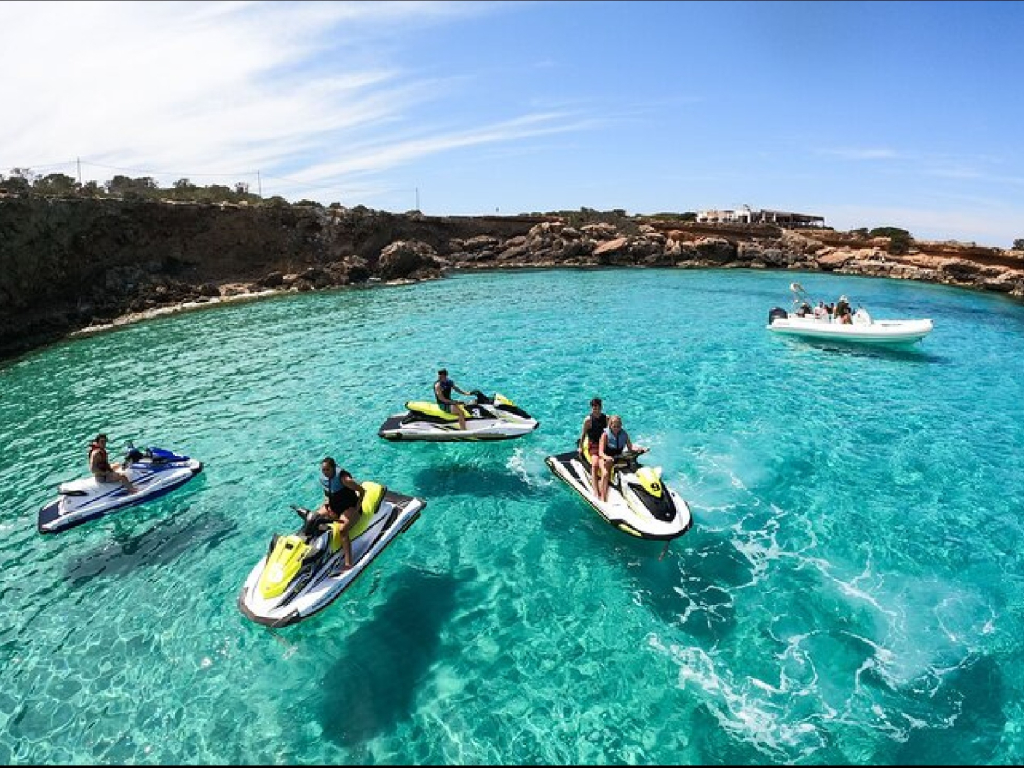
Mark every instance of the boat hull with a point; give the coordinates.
(877, 332)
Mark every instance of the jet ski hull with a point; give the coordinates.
(618, 511)
(81, 501)
(395, 514)
(490, 420)
(400, 427)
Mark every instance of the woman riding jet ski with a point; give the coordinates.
(486, 418)
(639, 503)
(150, 473)
(302, 573)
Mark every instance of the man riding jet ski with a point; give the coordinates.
(639, 503)
(303, 572)
(149, 473)
(486, 418)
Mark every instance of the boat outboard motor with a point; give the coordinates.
(776, 313)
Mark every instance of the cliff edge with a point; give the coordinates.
(68, 264)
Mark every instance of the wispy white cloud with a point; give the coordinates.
(974, 174)
(877, 153)
(171, 89)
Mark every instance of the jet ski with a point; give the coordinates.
(301, 572)
(488, 418)
(153, 472)
(639, 503)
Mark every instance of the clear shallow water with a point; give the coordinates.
(850, 592)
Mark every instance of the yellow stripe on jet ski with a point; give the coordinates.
(371, 503)
(650, 479)
(282, 565)
(430, 409)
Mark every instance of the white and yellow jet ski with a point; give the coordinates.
(488, 418)
(301, 573)
(639, 503)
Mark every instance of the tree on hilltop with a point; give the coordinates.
(899, 239)
(128, 188)
(55, 184)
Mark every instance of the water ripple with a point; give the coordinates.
(851, 590)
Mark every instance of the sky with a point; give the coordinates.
(871, 114)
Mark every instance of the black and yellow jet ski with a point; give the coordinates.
(301, 572)
(487, 418)
(639, 503)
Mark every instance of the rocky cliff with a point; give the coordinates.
(69, 264)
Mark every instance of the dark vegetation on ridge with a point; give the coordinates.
(74, 256)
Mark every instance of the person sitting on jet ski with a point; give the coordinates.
(593, 427)
(99, 465)
(613, 441)
(443, 394)
(343, 501)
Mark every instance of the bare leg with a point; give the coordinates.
(347, 520)
(462, 416)
(606, 476)
(129, 487)
(346, 544)
(595, 473)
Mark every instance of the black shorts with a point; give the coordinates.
(342, 501)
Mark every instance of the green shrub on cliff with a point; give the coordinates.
(1018, 244)
(899, 239)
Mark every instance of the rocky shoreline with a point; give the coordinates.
(83, 266)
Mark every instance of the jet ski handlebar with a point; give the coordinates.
(300, 511)
(628, 457)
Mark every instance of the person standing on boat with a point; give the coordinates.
(343, 500)
(614, 440)
(594, 426)
(842, 307)
(443, 394)
(101, 468)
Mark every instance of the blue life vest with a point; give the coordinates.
(615, 445)
(339, 496)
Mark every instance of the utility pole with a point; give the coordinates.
(259, 184)
(78, 161)
(417, 198)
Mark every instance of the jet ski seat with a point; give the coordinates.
(430, 409)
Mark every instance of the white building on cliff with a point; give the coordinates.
(745, 215)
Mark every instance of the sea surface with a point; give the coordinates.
(851, 591)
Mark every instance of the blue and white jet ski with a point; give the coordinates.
(302, 574)
(153, 472)
(488, 418)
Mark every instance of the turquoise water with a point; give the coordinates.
(850, 591)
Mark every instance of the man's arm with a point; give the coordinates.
(349, 481)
